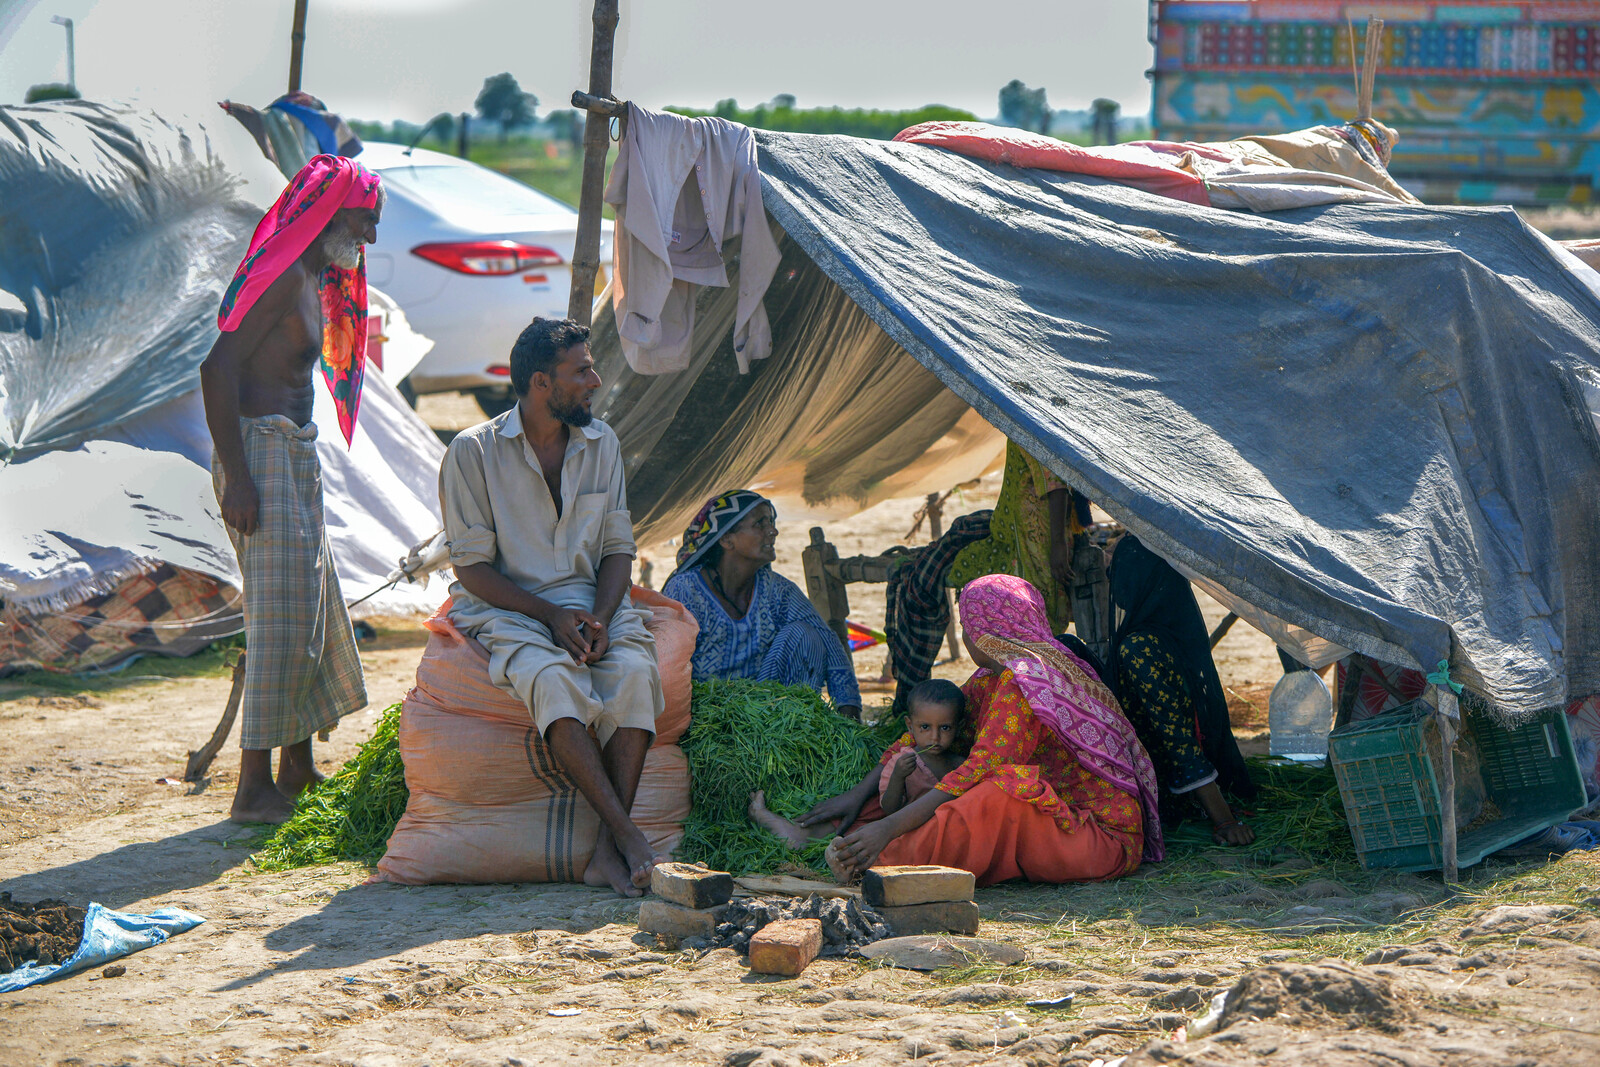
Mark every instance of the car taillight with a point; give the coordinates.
(488, 257)
(500, 370)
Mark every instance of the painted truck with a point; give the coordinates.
(1495, 102)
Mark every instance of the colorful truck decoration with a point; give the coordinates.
(1494, 101)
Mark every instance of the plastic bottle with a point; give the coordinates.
(1299, 715)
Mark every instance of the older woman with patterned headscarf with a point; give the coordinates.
(1057, 787)
(754, 623)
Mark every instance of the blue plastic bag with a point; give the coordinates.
(107, 935)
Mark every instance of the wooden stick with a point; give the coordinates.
(199, 761)
(1223, 627)
(1369, 69)
(935, 508)
(297, 45)
(1447, 791)
(596, 144)
(608, 106)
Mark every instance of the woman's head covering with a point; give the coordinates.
(1005, 617)
(720, 514)
(303, 210)
(1156, 599)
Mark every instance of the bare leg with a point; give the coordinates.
(297, 770)
(623, 758)
(794, 835)
(256, 799)
(1226, 829)
(580, 757)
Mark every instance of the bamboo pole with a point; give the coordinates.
(1369, 69)
(596, 143)
(1447, 793)
(297, 45)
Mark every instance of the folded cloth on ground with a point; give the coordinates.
(107, 935)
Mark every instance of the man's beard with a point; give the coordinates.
(572, 413)
(343, 250)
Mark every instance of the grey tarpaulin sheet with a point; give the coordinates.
(1367, 420)
(119, 231)
(838, 418)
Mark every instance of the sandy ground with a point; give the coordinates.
(314, 967)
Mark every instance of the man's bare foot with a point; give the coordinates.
(607, 868)
(640, 858)
(793, 835)
(294, 781)
(261, 805)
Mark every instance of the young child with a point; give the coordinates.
(934, 717)
(934, 712)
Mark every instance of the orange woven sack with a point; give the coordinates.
(488, 802)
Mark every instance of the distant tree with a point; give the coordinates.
(51, 91)
(1105, 120)
(783, 100)
(503, 101)
(566, 125)
(1025, 108)
(856, 122)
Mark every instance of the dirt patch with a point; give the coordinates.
(46, 932)
(1315, 992)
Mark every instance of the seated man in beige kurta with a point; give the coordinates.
(542, 545)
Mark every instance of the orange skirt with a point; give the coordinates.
(998, 838)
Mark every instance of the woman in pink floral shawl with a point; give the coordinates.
(1057, 787)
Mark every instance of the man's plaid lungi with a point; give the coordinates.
(302, 671)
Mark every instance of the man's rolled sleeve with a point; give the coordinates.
(616, 535)
(464, 499)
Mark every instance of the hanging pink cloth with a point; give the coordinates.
(1005, 618)
(323, 186)
(1147, 165)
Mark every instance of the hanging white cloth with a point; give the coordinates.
(681, 188)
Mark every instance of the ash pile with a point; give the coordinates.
(847, 924)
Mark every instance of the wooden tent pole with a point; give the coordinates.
(596, 144)
(1369, 69)
(297, 45)
(1447, 793)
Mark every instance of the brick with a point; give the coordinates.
(943, 917)
(785, 947)
(691, 886)
(665, 917)
(899, 887)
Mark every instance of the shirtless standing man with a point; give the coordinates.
(298, 298)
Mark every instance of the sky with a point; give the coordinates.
(411, 59)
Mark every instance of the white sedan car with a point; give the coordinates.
(471, 256)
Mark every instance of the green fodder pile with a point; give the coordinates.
(784, 740)
(350, 815)
(1297, 809)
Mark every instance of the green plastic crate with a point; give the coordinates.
(1390, 786)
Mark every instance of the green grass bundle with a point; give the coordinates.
(784, 740)
(350, 815)
(1298, 808)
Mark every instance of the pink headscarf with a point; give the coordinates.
(1005, 617)
(323, 186)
